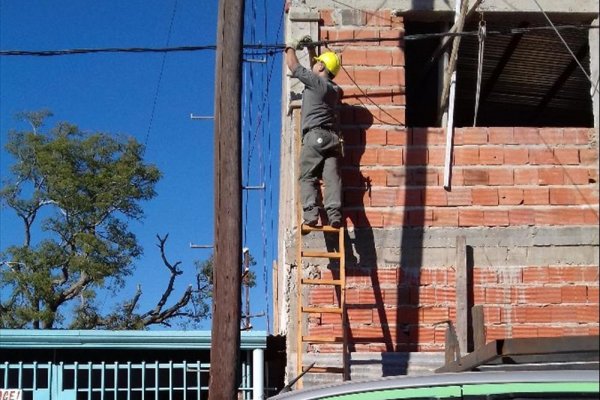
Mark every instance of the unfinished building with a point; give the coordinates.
(470, 175)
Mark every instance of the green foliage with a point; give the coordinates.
(75, 192)
(205, 272)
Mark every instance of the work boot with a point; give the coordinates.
(335, 218)
(312, 223)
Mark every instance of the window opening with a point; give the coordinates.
(529, 78)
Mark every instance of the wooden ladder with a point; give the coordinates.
(303, 310)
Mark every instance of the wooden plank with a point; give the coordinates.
(478, 327)
(322, 339)
(319, 228)
(325, 370)
(482, 356)
(320, 254)
(553, 350)
(449, 347)
(462, 300)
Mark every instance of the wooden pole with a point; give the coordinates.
(225, 346)
(451, 68)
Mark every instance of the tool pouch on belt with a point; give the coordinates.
(341, 137)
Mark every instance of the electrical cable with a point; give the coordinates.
(374, 103)
(272, 232)
(160, 75)
(273, 49)
(255, 142)
(249, 95)
(366, 12)
(370, 14)
(566, 44)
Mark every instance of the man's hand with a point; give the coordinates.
(292, 45)
(300, 44)
(306, 41)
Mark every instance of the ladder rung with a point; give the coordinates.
(321, 281)
(324, 310)
(322, 370)
(320, 254)
(319, 228)
(322, 339)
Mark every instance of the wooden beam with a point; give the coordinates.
(453, 56)
(462, 295)
(447, 40)
(528, 350)
(478, 326)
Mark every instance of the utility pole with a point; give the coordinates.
(225, 346)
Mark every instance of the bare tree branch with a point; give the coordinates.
(173, 311)
(175, 271)
(75, 289)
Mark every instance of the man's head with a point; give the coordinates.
(329, 62)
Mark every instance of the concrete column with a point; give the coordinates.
(300, 22)
(258, 374)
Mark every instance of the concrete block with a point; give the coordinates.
(355, 17)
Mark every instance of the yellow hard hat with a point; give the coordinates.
(331, 62)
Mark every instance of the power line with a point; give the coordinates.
(271, 49)
(566, 44)
(160, 75)
(49, 53)
(254, 134)
(373, 102)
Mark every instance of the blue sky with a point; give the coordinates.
(151, 96)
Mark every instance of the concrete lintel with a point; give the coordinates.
(303, 15)
(409, 238)
(445, 6)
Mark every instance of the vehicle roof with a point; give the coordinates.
(444, 379)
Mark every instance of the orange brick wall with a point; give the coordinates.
(502, 178)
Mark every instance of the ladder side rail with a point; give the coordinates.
(345, 322)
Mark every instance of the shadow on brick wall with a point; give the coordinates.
(364, 297)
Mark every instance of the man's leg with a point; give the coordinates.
(333, 191)
(310, 163)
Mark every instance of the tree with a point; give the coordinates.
(77, 191)
(192, 306)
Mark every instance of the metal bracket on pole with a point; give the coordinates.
(256, 60)
(260, 187)
(201, 246)
(192, 116)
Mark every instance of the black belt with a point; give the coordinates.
(324, 127)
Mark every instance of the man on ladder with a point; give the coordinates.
(321, 144)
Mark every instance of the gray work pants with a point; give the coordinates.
(320, 158)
